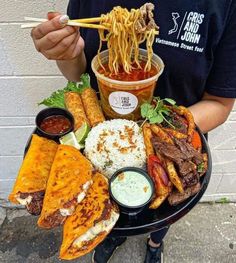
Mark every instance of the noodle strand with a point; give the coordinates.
(126, 31)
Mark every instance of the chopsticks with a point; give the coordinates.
(84, 22)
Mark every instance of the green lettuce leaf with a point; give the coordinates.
(57, 97)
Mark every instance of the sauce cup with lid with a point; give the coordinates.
(132, 189)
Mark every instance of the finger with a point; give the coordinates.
(74, 49)
(62, 47)
(45, 28)
(79, 46)
(51, 15)
(54, 38)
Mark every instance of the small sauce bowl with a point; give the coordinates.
(54, 123)
(132, 189)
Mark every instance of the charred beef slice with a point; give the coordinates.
(176, 197)
(190, 179)
(56, 219)
(169, 151)
(181, 151)
(190, 152)
(35, 206)
(185, 157)
(177, 121)
(186, 167)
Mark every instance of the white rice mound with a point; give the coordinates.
(115, 144)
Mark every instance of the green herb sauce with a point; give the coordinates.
(131, 188)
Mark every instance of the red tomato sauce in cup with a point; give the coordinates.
(56, 124)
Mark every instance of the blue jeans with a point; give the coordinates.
(158, 236)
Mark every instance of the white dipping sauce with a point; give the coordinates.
(131, 188)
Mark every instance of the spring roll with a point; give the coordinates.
(92, 108)
(31, 182)
(68, 183)
(75, 106)
(92, 221)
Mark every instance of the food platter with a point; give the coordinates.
(97, 176)
(116, 177)
(151, 220)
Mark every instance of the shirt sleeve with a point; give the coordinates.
(222, 78)
(73, 9)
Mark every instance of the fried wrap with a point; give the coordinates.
(68, 183)
(92, 108)
(75, 106)
(92, 221)
(31, 181)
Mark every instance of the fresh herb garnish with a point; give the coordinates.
(108, 164)
(200, 167)
(57, 97)
(157, 112)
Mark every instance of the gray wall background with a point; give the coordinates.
(26, 78)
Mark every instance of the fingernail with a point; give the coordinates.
(64, 19)
(52, 11)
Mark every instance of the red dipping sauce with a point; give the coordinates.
(56, 124)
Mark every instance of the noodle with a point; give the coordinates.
(126, 30)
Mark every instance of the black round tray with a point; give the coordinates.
(152, 220)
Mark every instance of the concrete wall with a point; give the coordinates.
(223, 147)
(26, 77)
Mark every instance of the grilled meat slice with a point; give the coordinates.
(55, 220)
(185, 157)
(177, 121)
(169, 151)
(186, 168)
(34, 207)
(190, 152)
(179, 153)
(190, 179)
(176, 198)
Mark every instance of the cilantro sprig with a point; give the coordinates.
(200, 167)
(57, 97)
(157, 112)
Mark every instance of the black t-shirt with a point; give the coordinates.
(197, 43)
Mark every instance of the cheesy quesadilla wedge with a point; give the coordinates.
(68, 183)
(92, 221)
(31, 181)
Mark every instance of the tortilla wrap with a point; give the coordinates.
(69, 180)
(92, 221)
(31, 181)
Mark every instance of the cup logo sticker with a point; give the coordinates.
(123, 102)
